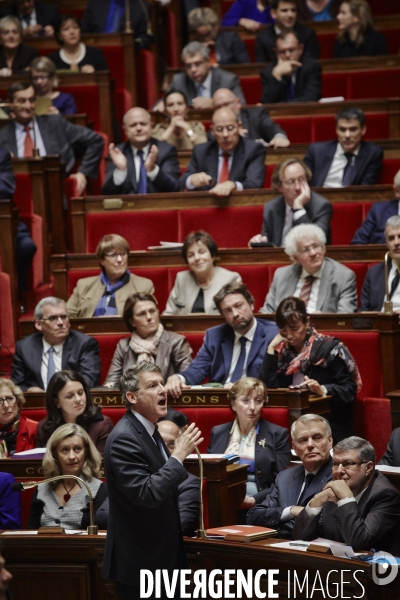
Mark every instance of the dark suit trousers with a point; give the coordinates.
(25, 250)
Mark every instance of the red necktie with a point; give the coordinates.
(305, 291)
(224, 172)
(28, 145)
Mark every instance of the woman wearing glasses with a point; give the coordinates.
(68, 400)
(105, 295)
(299, 356)
(17, 433)
(262, 445)
(44, 80)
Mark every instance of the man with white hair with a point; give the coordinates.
(324, 284)
(373, 229)
(296, 205)
(142, 164)
(312, 441)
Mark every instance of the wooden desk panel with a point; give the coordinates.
(41, 564)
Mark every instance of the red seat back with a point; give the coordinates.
(360, 269)
(146, 79)
(390, 166)
(252, 89)
(251, 48)
(334, 84)
(347, 217)
(373, 422)
(374, 84)
(87, 99)
(141, 229)
(326, 43)
(108, 344)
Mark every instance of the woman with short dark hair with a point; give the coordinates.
(300, 356)
(68, 400)
(149, 341)
(194, 290)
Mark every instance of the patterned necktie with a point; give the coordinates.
(348, 172)
(157, 439)
(28, 144)
(142, 184)
(51, 367)
(224, 172)
(201, 90)
(305, 291)
(303, 495)
(394, 285)
(238, 370)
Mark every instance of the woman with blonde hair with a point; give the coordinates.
(17, 433)
(44, 80)
(15, 57)
(65, 502)
(357, 33)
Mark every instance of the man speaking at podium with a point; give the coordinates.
(144, 529)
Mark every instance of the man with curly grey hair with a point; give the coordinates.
(324, 284)
(359, 507)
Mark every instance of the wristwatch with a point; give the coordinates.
(190, 133)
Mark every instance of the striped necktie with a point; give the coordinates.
(305, 291)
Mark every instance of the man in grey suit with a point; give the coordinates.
(312, 441)
(297, 204)
(323, 283)
(201, 79)
(51, 134)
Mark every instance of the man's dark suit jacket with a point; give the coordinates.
(259, 124)
(248, 164)
(215, 356)
(144, 529)
(372, 231)
(305, 14)
(95, 18)
(373, 289)
(392, 454)
(286, 493)
(7, 177)
(367, 164)
(46, 14)
(219, 79)
(270, 458)
(318, 211)
(266, 40)
(373, 522)
(165, 181)
(307, 88)
(80, 353)
(230, 48)
(59, 137)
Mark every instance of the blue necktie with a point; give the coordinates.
(348, 172)
(142, 183)
(309, 479)
(291, 90)
(157, 439)
(114, 17)
(238, 370)
(51, 367)
(201, 90)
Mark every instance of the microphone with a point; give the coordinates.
(21, 486)
(201, 533)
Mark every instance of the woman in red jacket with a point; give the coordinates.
(17, 433)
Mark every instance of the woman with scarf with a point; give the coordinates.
(262, 445)
(300, 356)
(68, 400)
(149, 341)
(17, 433)
(105, 295)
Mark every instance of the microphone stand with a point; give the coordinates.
(92, 528)
(388, 304)
(128, 28)
(201, 534)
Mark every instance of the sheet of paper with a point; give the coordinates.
(19, 533)
(387, 469)
(297, 545)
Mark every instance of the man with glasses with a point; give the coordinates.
(296, 205)
(293, 77)
(312, 441)
(201, 79)
(51, 134)
(322, 283)
(359, 507)
(54, 348)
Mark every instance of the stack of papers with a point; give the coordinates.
(166, 246)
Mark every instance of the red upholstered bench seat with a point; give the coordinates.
(346, 219)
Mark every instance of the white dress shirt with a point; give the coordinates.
(32, 19)
(290, 217)
(57, 356)
(120, 176)
(36, 136)
(335, 174)
(312, 302)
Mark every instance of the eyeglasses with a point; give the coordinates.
(347, 464)
(9, 399)
(54, 318)
(309, 249)
(195, 64)
(40, 77)
(257, 401)
(122, 254)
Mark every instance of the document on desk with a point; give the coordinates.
(387, 469)
(19, 532)
(338, 548)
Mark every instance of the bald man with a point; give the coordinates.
(229, 162)
(256, 123)
(142, 164)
